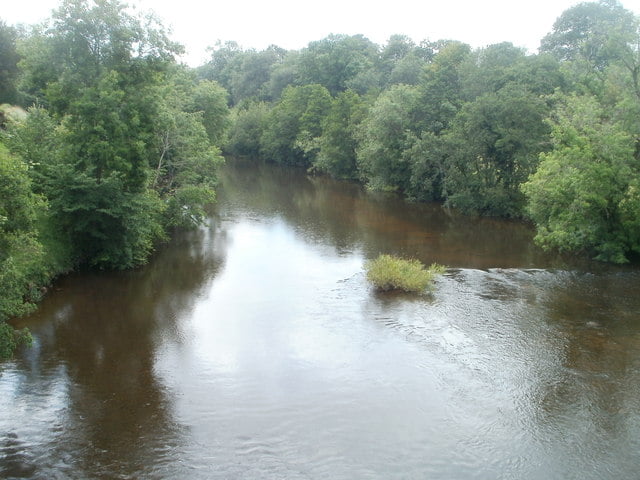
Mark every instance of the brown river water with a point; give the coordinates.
(253, 348)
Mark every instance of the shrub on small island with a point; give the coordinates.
(392, 273)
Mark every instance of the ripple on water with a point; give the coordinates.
(268, 356)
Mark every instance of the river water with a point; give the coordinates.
(253, 348)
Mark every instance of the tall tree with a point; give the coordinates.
(384, 134)
(99, 70)
(491, 68)
(245, 74)
(336, 60)
(226, 60)
(338, 143)
(21, 253)
(402, 61)
(211, 99)
(191, 124)
(585, 196)
(247, 126)
(252, 78)
(294, 124)
(20, 250)
(8, 64)
(440, 98)
(494, 145)
(582, 32)
(590, 37)
(441, 88)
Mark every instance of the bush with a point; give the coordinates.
(392, 273)
(11, 339)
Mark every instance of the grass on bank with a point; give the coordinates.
(393, 273)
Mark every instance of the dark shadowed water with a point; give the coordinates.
(254, 349)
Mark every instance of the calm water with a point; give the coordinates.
(254, 349)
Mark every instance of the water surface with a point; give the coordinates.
(254, 348)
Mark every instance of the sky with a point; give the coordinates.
(292, 24)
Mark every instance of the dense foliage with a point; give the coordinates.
(552, 137)
(118, 144)
(106, 142)
(585, 194)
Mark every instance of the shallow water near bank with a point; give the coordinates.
(254, 348)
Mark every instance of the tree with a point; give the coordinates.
(39, 140)
(283, 74)
(335, 60)
(396, 48)
(211, 99)
(8, 64)
(21, 253)
(192, 115)
(426, 156)
(245, 74)
(494, 144)
(294, 124)
(109, 226)
(338, 143)
(441, 88)
(226, 60)
(590, 37)
(100, 70)
(585, 194)
(384, 135)
(247, 126)
(491, 68)
(407, 70)
(582, 32)
(254, 72)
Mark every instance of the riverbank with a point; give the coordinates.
(254, 346)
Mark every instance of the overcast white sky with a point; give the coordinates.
(292, 24)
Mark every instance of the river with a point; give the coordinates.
(253, 348)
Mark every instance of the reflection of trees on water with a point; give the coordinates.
(347, 217)
(98, 337)
(569, 340)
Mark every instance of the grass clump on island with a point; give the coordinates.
(408, 275)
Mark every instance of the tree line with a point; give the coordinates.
(552, 138)
(107, 142)
(114, 145)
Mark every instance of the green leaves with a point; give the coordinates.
(186, 207)
(17, 203)
(122, 132)
(384, 135)
(129, 129)
(336, 60)
(247, 124)
(211, 99)
(584, 32)
(21, 253)
(10, 339)
(338, 144)
(408, 275)
(292, 122)
(493, 146)
(583, 196)
(109, 227)
(9, 58)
